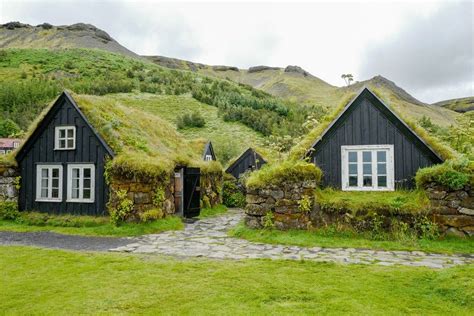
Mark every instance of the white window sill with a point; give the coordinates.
(65, 148)
(367, 189)
(49, 200)
(80, 201)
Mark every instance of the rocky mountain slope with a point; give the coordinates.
(292, 82)
(80, 35)
(461, 105)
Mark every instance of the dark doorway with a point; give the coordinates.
(188, 191)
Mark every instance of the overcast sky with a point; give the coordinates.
(427, 48)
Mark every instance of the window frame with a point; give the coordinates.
(208, 158)
(390, 168)
(57, 139)
(81, 198)
(39, 168)
(16, 144)
(3, 152)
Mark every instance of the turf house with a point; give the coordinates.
(249, 160)
(367, 147)
(90, 155)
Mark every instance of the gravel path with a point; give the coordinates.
(208, 238)
(60, 241)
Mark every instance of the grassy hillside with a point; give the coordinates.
(459, 105)
(229, 138)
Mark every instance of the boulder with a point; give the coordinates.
(466, 211)
(454, 220)
(298, 70)
(255, 209)
(224, 68)
(261, 68)
(453, 232)
(254, 199)
(142, 198)
(254, 222)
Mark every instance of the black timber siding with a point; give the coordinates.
(367, 122)
(248, 160)
(40, 150)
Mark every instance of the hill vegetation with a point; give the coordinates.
(459, 105)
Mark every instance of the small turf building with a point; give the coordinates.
(249, 160)
(81, 154)
(367, 147)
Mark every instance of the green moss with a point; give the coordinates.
(283, 172)
(396, 202)
(453, 174)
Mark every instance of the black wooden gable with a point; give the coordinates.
(366, 120)
(249, 160)
(39, 149)
(64, 99)
(208, 150)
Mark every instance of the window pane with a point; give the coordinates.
(382, 181)
(353, 181)
(87, 173)
(44, 183)
(352, 168)
(381, 168)
(55, 172)
(87, 183)
(86, 194)
(381, 156)
(44, 173)
(70, 133)
(70, 143)
(75, 173)
(55, 193)
(55, 183)
(62, 133)
(75, 193)
(367, 181)
(44, 193)
(75, 183)
(367, 168)
(367, 156)
(352, 156)
(62, 143)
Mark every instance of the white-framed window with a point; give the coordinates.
(80, 183)
(367, 168)
(65, 138)
(208, 158)
(2, 152)
(16, 144)
(49, 183)
(8, 151)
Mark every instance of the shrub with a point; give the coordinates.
(305, 204)
(232, 196)
(151, 215)
(454, 174)
(268, 220)
(287, 171)
(190, 120)
(9, 210)
(122, 209)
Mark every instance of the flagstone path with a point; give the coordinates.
(208, 238)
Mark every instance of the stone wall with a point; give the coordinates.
(211, 188)
(285, 206)
(8, 180)
(144, 195)
(452, 210)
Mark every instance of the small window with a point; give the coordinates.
(16, 144)
(49, 183)
(81, 184)
(65, 138)
(2, 152)
(367, 168)
(208, 158)
(8, 151)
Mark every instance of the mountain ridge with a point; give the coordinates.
(292, 82)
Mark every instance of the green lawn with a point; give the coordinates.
(35, 281)
(96, 228)
(213, 211)
(327, 238)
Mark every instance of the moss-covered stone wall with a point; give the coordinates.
(8, 183)
(452, 210)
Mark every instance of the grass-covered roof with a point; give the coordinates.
(145, 145)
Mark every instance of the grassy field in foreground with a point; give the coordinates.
(326, 238)
(97, 229)
(35, 281)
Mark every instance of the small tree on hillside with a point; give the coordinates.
(348, 78)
